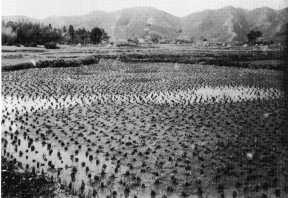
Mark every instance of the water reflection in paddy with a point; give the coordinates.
(94, 169)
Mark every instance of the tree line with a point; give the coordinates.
(32, 34)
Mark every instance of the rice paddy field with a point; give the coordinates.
(244, 57)
(144, 129)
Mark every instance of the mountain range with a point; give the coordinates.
(226, 24)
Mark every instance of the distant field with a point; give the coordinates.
(125, 129)
(236, 57)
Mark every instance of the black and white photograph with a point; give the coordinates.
(144, 99)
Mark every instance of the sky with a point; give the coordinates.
(45, 8)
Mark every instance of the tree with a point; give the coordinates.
(25, 34)
(253, 35)
(155, 37)
(97, 35)
(71, 33)
(49, 35)
(105, 36)
(82, 36)
(64, 29)
(31, 34)
(8, 35)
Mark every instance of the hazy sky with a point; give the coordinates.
(44, 8)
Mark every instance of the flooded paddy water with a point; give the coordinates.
(165, 131)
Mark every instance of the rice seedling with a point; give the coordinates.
(152, 129)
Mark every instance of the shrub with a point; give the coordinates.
(51, 45)
(19, 66)
(89, 60)
(58, 63)
(32, 44)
